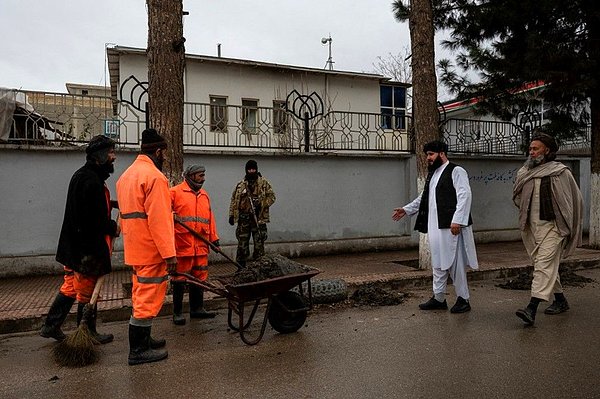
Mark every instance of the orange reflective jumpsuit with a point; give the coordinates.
(148, 236)
(195, 211)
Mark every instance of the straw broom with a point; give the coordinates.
(79, 348)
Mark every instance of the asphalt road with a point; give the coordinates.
(345, 352)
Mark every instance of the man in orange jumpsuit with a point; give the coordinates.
(191, 205)
(85, 243)
(148, 241)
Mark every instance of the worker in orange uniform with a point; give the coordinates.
(149, 243)
(191, 206)
(85, 243)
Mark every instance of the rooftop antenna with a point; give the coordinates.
(328, 40)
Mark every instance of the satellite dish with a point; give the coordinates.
(324, 40)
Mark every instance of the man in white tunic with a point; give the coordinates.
(443, 210)
(550, 218)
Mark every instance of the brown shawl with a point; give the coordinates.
(566, 200)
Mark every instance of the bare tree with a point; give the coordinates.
(395, 66)
(166, 62)
(425, 114)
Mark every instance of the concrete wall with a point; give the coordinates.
(325, 203)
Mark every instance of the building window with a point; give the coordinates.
(280, 117)
(218, 114)
(249, 115)
(84, 92)
(393, 107)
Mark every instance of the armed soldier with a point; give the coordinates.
(249, 207)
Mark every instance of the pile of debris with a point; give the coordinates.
(267, 267)
(568, 278)
(373, 295)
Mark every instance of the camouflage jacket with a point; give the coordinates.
(264, 193)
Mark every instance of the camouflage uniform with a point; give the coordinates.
(262, 196)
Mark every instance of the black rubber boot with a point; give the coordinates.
(197, 310)
(157, 343)
(91, 323)
(56, 316)
(178, 317)
(139, 347)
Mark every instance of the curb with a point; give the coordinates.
(396, 281)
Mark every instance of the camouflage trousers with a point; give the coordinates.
(246, 228)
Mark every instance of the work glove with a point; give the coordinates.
(231, 221)
(171, 265)
(217, 244)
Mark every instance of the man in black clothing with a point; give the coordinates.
(85, 242)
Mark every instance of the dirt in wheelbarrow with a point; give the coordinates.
(568, 278)
(267, 267)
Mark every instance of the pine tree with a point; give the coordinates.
(510, 43)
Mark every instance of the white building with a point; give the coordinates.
(249, 104)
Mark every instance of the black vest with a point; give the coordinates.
(445, 197)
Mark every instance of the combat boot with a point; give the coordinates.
(90, 320)
(139, 347)
(178, 290)
(197, 310)
(56, 316)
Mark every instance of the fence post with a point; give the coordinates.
(306, 133)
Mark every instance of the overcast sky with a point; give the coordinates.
(45, 44)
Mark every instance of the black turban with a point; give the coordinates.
(435, 146)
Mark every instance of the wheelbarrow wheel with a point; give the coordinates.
(280, 317)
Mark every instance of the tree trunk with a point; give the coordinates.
(594, 236)
(425, 113)
(166, 60)
(593, 25)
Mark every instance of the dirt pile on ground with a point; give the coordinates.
(372, 295)
(568, 278)
(267, 267)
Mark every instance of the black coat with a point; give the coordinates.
(82, 245)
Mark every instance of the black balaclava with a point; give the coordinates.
(251, 177)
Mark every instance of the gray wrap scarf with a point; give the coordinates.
(566, 200)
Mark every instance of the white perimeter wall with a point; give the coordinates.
(325, 203)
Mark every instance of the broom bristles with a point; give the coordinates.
(78, 349)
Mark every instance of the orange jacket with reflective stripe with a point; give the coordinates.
(146, 216)
(194, 210)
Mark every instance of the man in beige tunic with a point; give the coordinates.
(550, 218)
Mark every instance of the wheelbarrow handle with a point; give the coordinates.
(207, 242)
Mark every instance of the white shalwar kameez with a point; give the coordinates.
(450, 254)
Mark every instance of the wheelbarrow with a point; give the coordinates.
(286, 310)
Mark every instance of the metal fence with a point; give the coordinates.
(471, 136)
(483, 137)
(69, 119)
(59, 118)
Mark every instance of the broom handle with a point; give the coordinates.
(97, 288)
(207, 242)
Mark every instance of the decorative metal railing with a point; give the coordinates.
(472, 136)
(67, 119)
(483, 137)
(58, 118)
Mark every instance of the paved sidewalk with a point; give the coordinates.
(25, 301)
